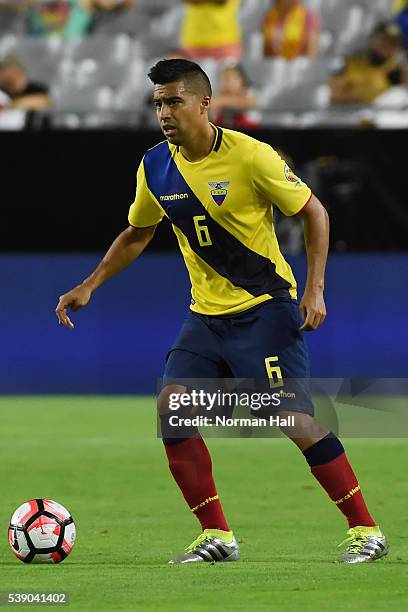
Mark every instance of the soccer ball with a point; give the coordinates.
(41, 531)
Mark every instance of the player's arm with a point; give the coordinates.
(275, 182)
(316, 231)
(123, 251)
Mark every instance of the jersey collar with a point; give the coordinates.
(217, 141)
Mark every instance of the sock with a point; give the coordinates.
(190, 464)
(330, 467)
(227, 536)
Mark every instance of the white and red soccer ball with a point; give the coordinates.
(41, 531)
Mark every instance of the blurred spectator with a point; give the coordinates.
(113, 16)
(5, 100)
(211, 29)
(395, 98)
(365, 77)
(401, 9)
(24, 94)
(231, 107)
(291, 30)
(12, 17)
(66, 18)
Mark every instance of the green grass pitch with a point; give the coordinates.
(100, 457)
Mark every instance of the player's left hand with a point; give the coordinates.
(312, 309)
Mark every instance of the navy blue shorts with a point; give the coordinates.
(263, 344)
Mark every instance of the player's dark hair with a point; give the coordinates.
(171, 70)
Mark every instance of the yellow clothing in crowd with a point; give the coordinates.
(211, 25)
(287, 35)
(365, 81)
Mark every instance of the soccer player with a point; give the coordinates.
(217, 187)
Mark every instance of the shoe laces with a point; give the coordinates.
(356, 541)
(201, 538)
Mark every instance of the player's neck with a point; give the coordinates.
(200, 145)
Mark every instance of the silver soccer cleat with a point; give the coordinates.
(209, 548)
(363, 546)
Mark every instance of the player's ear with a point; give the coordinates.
(205, 104)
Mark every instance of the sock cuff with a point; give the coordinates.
(175, 435)
(324, 451)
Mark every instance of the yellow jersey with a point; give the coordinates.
(211, 25)
(221, 208)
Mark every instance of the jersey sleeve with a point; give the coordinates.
(144, 211)
(275, 182)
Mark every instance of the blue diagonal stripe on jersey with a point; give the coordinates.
(227, 255)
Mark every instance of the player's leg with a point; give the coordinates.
(275, 326)
(329, 464)
(189, 459)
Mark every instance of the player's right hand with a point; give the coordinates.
(75, 299)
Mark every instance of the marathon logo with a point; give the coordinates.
(349, 494)
(173, 196)
(205, 502)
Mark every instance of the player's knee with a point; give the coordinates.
(175, 419)
(301, 425)
(168, 398)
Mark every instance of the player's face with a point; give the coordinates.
(180, 111)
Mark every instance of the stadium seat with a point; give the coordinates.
(40, 56)
(155, 7)
(8, 44)
(304, 70)
(252, 13)
(82, 100)
(132, 22)
(297, 70)
(354, 37)
(113, 49)
(267, 72)
(12, 22)
(168, 25)
(133, 95)
(342, 18)
(212, 68)
(132, 99)
(254, 46)
(326, 41)
(303, 98)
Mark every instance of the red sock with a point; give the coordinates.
(339, 481)
(190, 464)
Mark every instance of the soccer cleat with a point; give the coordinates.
(365, 544)
(210, 547)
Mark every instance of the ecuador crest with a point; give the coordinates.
(219, 191)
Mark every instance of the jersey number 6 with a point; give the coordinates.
(274, 372)
(203, 234)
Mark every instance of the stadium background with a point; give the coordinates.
(68, 177)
